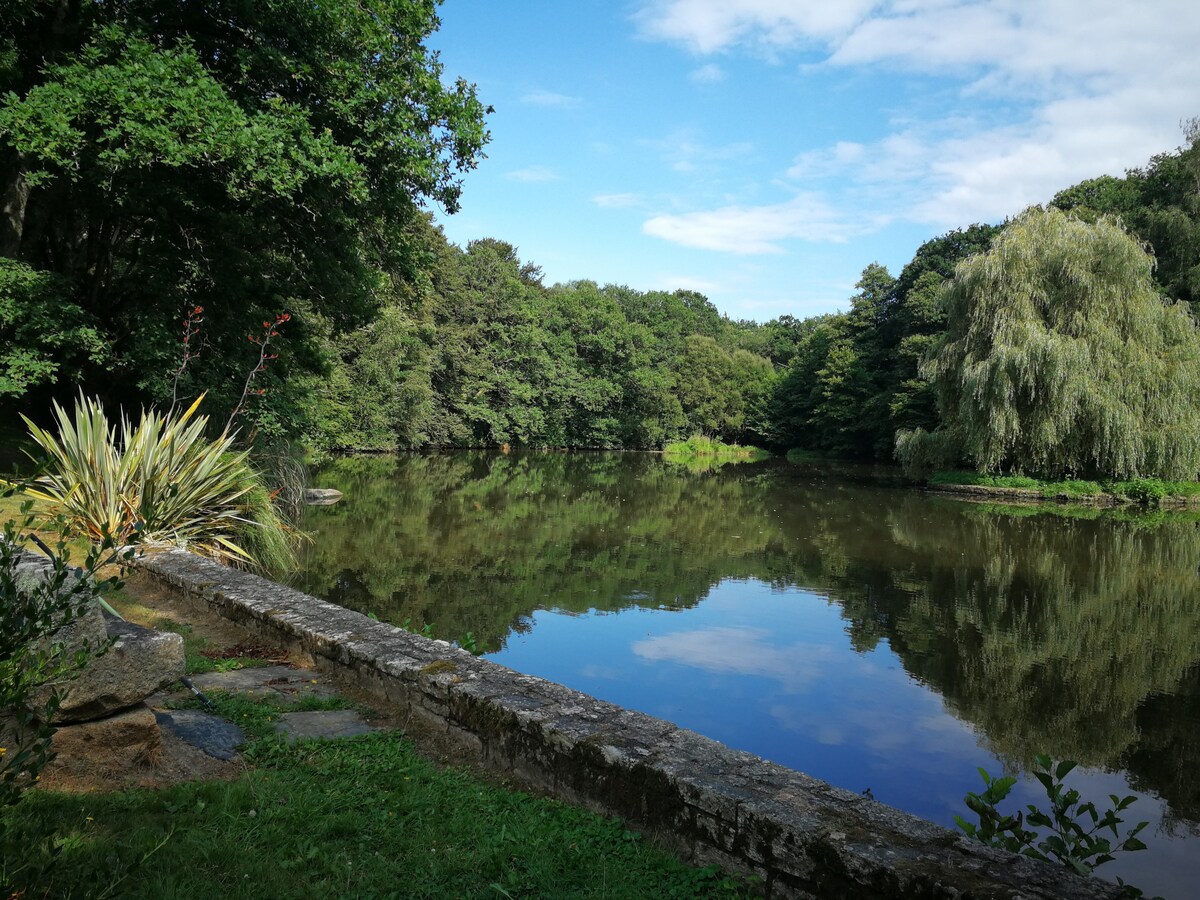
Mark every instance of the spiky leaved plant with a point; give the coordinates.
(159, 479)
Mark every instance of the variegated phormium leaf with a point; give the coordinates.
(159, 479)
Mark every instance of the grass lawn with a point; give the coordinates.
(356, 817)
(363, 817)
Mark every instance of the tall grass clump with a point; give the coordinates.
(702, 445)
(160, 480)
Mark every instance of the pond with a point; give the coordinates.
(873, 636)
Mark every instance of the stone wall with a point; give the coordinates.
(800, 836)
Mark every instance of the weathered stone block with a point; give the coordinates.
(139, 662)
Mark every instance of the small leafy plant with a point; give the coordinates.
(32, 616)
(1072, 832)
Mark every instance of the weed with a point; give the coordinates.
(1073, 833)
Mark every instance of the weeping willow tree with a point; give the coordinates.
(1061, 359)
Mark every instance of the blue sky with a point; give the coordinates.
(763, 152)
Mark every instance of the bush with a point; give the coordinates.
(159, 481)
(1073, 831)
(32, 612)
(1144, 490)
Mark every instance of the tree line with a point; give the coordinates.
(231, 199)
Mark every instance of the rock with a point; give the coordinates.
(330, 723)
(321, 496)
(212, 734)
(139, 662)
(87, 630)
(107, 745)
(280, 682)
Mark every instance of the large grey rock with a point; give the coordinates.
(322, 496)
(88, 630)
(139, 662)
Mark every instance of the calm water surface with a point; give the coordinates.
(871, 636)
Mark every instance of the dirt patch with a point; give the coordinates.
(173, 762)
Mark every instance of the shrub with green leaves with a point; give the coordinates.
(159, 480)
(1072, 832)
(34, 610)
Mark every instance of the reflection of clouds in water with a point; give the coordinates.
(882, 723)
(832, 735)
(858, 702)
(741, 651)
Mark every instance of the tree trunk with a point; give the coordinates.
(12, 213)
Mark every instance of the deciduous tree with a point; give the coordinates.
(1062, 358)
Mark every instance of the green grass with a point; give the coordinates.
(257, 715)
(363, 817)
(710, 453)
(1008, 481)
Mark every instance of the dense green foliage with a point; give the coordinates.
(484, 354)
(168, 166)
(249, 159)
(1060, 357)
(854, 380)
(1161, 205)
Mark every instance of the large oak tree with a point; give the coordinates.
(244, 157)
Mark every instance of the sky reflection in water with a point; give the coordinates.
(874, 638)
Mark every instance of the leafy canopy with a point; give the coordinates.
(248, 158)
(1061, 357)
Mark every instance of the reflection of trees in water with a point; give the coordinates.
(477, 542)
(1073, 636)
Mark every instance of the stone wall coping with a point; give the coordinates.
(801, 836)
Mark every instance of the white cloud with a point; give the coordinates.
(751, 229)
(533, 174)
(741, 651)
(550, 98)
(827, 162)
(617, 201)
(706, 26)
(1046, 93)
(709, 73)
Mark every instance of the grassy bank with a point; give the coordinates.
(355, 817)
(365, 817)
(1151, 491)
(708, 450)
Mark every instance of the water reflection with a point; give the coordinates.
(872, 636)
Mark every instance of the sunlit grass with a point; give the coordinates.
(700, 453)
(353, 817)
